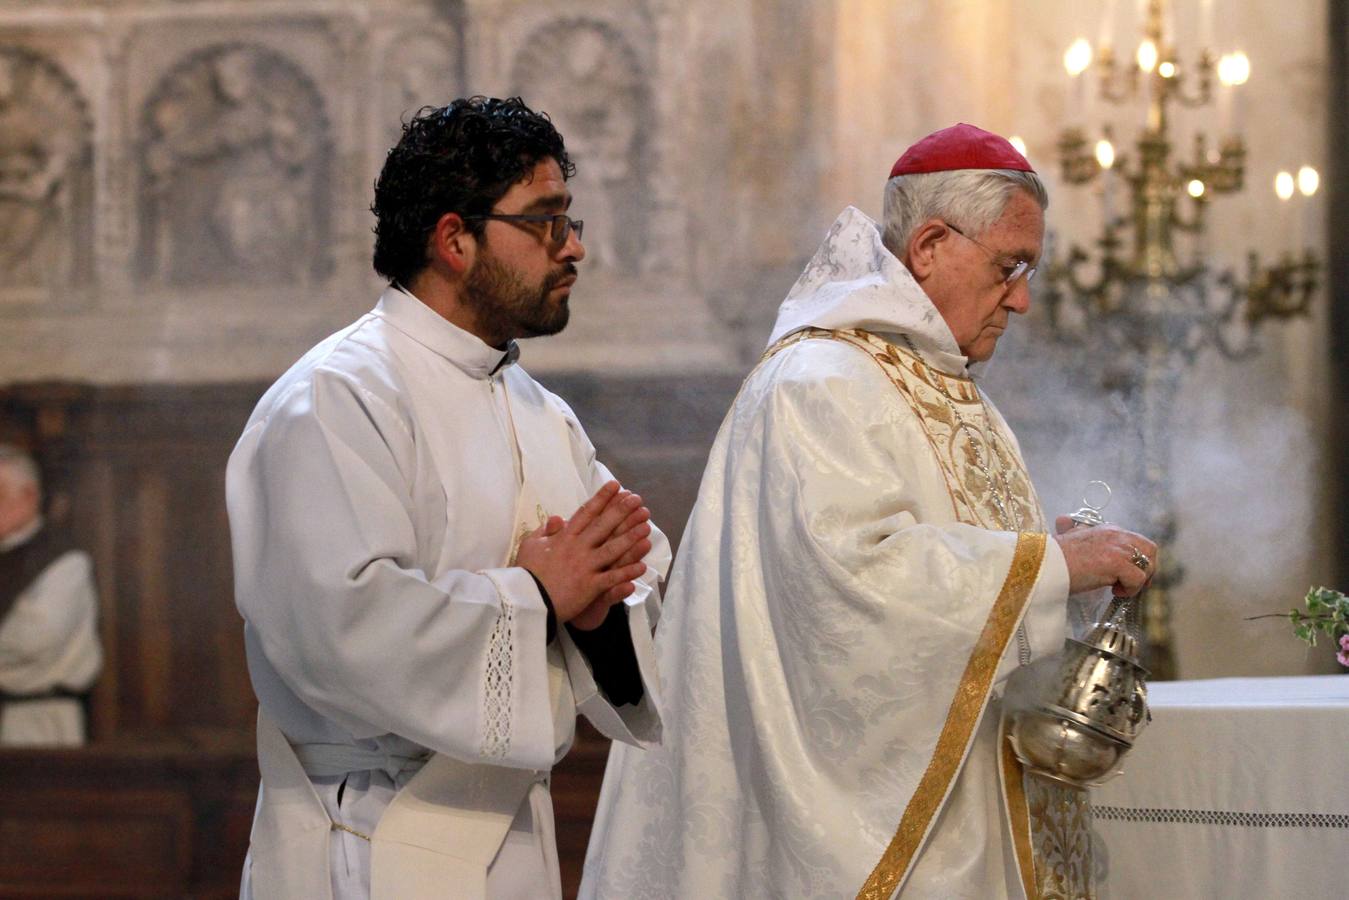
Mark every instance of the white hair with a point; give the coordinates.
(970, 199)
(20, 467)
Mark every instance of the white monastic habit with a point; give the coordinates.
(49, 649)
(865, 567)
(410, 706)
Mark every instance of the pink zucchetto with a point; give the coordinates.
(960, 147)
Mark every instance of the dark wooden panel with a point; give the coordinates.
(145, 819)
(125, 837)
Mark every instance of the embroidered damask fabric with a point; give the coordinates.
(961, 431)
(826, 606)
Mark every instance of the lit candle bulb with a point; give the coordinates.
(1205, 25)
(1147, 61)
(1107, 32)
(1105, 157)
(1284, 187)
(1076, 60)
(1147, 56)
(1308, 180)
(1105, 153)
(1234, 70)
(1241, 73)
(1018, 144)
(1196, 190)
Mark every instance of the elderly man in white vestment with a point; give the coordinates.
(865, 567)
(50, 652)
(435, 572)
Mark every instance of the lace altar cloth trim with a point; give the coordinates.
(1221, 817)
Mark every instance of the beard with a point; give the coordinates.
(508, 307)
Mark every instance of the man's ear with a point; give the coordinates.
(920, 256)
(452, 244)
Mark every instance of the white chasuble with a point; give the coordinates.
(410, 705)
(865, 567)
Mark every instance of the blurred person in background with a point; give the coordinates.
(49, 647)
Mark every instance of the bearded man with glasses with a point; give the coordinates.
(422, 624)
(866, 567)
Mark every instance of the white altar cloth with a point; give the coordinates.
(1238, 789)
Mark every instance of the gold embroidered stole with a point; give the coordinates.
(962, 717)
(1051, 829)
(956, 440)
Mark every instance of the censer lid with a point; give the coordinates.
(1120, 630)
(1090, 513)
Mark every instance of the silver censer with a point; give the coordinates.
(1079, 724)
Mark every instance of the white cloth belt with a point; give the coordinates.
(332, 760)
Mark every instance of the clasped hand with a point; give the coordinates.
(1103, 556)
(588, 563)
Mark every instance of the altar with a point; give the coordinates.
(1238, 789)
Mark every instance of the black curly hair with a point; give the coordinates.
(458, 158)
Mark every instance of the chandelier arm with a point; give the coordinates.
(1093, 292)
(1203, 96)
(1195, 224)
(1248, 349)
(1117, 89)
(1239, 306)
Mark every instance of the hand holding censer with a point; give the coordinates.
(1079, 724)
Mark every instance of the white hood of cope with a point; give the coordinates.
(853, 281)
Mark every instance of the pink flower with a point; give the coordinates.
(1343, 655)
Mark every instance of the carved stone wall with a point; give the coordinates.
(235, 173)
(46, 179)
(185, 186)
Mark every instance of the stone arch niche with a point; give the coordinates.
(46, 180)
(421, 67)
(586, 76)
(236, 173)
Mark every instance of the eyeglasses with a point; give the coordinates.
(1011, 271)
(561, 225)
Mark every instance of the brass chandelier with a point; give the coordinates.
(1137, 300)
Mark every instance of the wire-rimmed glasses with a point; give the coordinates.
(1011, 269)
(561, 225)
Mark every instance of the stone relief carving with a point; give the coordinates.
(236, 172)
(585, 75)
(421, 69)
(46, 176)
